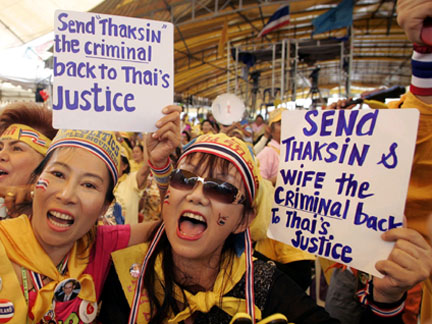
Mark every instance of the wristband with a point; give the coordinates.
(162, 175)
(365, 296)
(421, 64)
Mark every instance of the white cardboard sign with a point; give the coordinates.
(343, 180)
(111, 72)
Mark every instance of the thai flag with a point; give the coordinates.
(33, 135)
(42, 184)
(280, 18)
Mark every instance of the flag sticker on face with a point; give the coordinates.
(42, 184)
(222, 220)
(33, 136)
(166, 199)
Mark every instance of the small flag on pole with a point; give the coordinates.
(280, 18)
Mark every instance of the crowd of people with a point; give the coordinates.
(170, 226)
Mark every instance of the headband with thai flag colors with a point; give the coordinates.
(103, 144)
(35, 139)
(235, 151)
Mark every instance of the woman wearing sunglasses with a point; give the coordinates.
(53, 264)
(198, 268)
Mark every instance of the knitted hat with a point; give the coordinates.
(103, 144)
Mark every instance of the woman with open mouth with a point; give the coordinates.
(54, 262)
(199, 268)
(26, 134)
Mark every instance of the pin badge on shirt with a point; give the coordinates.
(67, 290)
(7, 310)
(87, 311)
(49, 317)
(134, 270)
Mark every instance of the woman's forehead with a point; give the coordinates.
(80, 158)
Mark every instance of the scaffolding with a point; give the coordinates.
(275, 71)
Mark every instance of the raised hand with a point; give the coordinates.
(164, 141)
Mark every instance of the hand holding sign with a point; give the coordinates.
(411, 15)
(409, 263)
(165, 140)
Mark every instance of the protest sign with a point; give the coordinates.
(111, 72)
(342, 181)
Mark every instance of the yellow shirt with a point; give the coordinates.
(419, 200)
(11, 290)
(135, 166)
(202, 301)
(418, 206)
(128, 196)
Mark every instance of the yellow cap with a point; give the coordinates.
(275, 115)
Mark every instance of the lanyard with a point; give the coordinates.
(25, 287)
(37, 278)
(62, 266)
(137, 295)
(250, 295)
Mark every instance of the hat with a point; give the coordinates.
(103, 144)
(235, 151)
(238, 153)
(275, 115)
(237, 131)
(124, 152)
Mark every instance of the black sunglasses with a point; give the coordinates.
(218, 190)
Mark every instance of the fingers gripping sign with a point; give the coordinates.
(409, 263)
(164, 141)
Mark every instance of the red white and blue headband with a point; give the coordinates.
(232, 150)
(103, 144)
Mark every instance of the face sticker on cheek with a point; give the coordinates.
(222, 219)
(166, 199)
(42, 184)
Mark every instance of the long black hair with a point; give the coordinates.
(160, 310)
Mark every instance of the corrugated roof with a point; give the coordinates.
(381, 52)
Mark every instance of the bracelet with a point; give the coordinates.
(365, 296)
(421, 64)
(162, 175)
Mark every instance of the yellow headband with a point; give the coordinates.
(35, 139)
